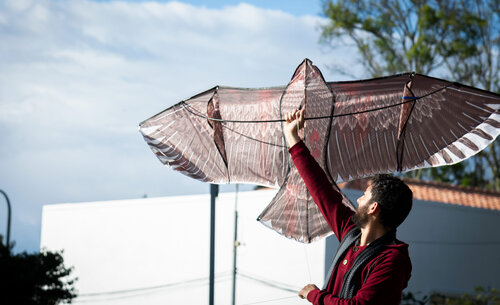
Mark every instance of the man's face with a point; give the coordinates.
(360, 218)
(366, 198)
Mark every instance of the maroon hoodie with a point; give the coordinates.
(390, 270)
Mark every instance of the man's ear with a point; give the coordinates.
(373, 208)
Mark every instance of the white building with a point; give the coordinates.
(156, 250)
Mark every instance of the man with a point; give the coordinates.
(371, 265)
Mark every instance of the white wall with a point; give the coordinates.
(121, 250)
(453, 248)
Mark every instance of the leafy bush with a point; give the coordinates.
(34, 279)
(482, 296)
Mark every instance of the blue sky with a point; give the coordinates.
(79, 76)
(294, 7)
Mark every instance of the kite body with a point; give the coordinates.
(353, 129)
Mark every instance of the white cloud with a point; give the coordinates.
(78, 77)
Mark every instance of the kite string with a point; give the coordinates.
(307, 263)
(406, 99)
(254, 139)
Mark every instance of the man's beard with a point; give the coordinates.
(360, 218)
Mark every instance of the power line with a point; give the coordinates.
(150, 289)
(269, 282)
(457, 242)
(270, 300)
(224, 276)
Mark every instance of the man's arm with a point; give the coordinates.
(305, 291)
(384, 284)
(328, 200)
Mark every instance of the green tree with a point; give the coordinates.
(34, 279)
(458, 39)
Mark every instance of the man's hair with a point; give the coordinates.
(394, 197)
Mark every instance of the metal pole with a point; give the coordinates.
(214, 192)
(236, 243)
(8, 218)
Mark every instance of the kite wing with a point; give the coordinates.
(407, 122)
(353, 129)
(190, 138)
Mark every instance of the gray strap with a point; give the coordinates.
(345, 243)
(350, 284)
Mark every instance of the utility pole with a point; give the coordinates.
(214, 192)
(8, 218)
(236, 243)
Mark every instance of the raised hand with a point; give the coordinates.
(294, 122)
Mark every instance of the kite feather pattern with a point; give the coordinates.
(354, 129)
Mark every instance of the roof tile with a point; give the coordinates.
(443, 192)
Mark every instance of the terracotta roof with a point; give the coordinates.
(443, 192)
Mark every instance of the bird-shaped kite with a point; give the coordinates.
(353, 129)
